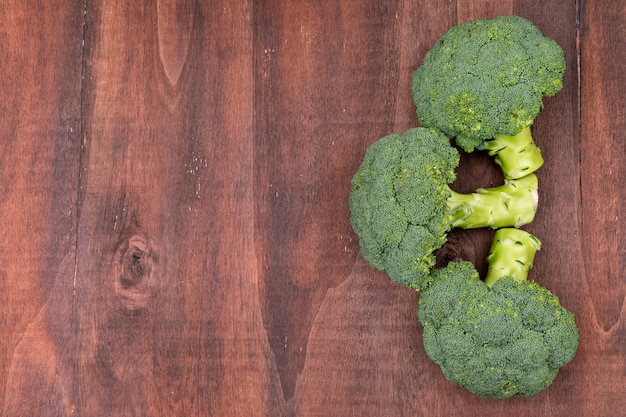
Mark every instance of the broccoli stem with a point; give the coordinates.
(517, 155)
(512, 254)
(510, 205)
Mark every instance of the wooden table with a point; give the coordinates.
(175, 230)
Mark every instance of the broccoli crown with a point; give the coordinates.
(398, 202)
(497, 342)
(487, 77)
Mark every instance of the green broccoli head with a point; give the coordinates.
(486, 78)
(500, 341)
(402, 206)
(398, 202)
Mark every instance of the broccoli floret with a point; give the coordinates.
(483, 83)
(500, 340)
(402, 206)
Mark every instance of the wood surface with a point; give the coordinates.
(175, 230)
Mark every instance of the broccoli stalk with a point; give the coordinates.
(516, 155)
(512, 255)
(511, 204)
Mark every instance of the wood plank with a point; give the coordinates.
(602, 175)
(41, 55)
(167, 292)
(321, 99)
(357, 365)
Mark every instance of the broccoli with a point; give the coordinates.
(402, 206)
(499, 339)
(483, 82)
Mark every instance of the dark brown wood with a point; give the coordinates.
(601, 220)
(176, 236)
(168, 299)
(316, 93)
(41, 55)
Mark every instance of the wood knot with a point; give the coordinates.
(138, 264)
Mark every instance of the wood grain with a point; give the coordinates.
(176, 236)
(168, 296)
(602, 123)
(41, 57)
(312, 112)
